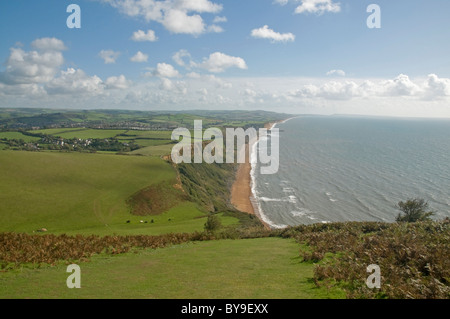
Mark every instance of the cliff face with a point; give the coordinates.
(209, 185)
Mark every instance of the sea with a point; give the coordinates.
(353, 168)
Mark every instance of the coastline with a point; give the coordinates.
(241, 190)
(242, 196)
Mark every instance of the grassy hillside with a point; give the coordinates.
(85, 193)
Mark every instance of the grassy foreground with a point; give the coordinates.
(248, 268)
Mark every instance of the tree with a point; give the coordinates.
(213, 223)
(414, 210)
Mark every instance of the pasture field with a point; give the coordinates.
(79, 193)
(131, 134)
(264, 268)
(82, 133)
(158, 150)
(18, 136)
(141, 138)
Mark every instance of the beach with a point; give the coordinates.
(241, 190)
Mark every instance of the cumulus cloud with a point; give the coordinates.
(336, 73)
(182, 58)
(109, 56)
(35, 74)
(48, 44)
(198, 6)
(117, 82)
(177, 16)
(74, 81)
(142, 36)
(37, 66)
(399, 86)
(178, 87)
(139, 57)
(30, 91)
(330, 90)
(266, 33)
(313, 6)
(177, 21)
(318, 6)
(219, 62)
(436, 87)
(165, 70)
(215, 29)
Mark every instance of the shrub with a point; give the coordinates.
(213, 223)
(414, 210)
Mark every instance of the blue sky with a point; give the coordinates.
(297, 56)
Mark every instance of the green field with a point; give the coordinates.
(80, 133)
(85, 193)
(18, 136)
(147, 134)
(158, 150)
(141, 138)
(266, 268)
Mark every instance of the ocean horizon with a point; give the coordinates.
(353, 168)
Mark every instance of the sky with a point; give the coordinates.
(293, 56)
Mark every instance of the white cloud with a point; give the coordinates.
(148, 9)
(48, 44)
(166, 84)
(109, 56)
(318, 6)
(142, 36)
(336, 73)
(180, 57)
(73, 82)
(30, 91)
(436, 87)
(31, 77)
(177, 21)
(213, 28)
(220, 19)
(399, 86)
(139, 57)
(177, 16)
(34, 66)
(174, 87)
(266, 33)
(249, 92)
(219, 62)
(218, 82)
(165, 70)
(313, 6)
(193, 75)
(117, 82)
(198, 6)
